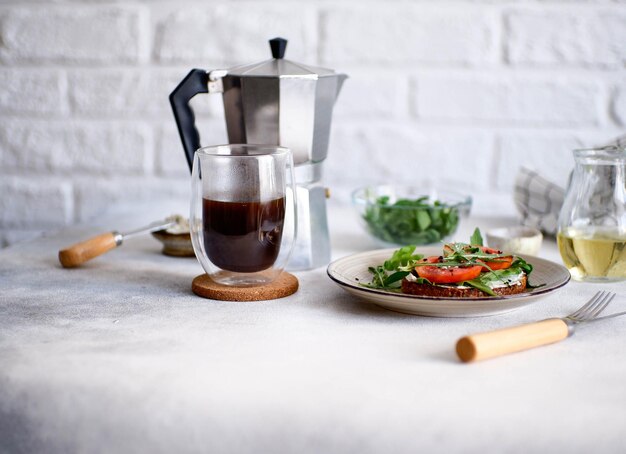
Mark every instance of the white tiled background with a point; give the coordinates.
(457, 92)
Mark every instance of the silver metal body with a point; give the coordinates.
(279, 102)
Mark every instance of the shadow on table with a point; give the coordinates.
(447, 355)
(146, 272)
(351, 306)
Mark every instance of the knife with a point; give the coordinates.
(79, 253)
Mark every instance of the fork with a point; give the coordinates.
(509, 340)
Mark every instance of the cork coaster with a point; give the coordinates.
(285, 285)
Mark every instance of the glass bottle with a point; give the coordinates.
(592, 222)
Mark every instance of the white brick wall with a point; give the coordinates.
(577, 37)
(72, 33)
(506, 99)
(455, 92)
(381, 34)
(229, 33)
(45, 89)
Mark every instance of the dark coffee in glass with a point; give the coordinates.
(243, 236)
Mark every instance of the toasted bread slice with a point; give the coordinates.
(455, 291)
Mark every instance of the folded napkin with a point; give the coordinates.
(539, 201)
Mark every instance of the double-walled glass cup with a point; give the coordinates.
(243, 213)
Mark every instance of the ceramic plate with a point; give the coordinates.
(349, 271)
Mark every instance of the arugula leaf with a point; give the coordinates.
(423, 220)
(476, 238)
(522, 264)
(402, 258)
(395, 277)
(389, 275)
(480, 285)
(527, 268)
(379, 276)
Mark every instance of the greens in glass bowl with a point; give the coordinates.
(409, 214)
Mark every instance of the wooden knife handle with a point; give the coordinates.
(510, 340)
(79, 253)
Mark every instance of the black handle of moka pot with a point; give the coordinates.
(196, 82)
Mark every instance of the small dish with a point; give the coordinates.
(175, 244)
(351, 271)
(518, 240)
(402, 215)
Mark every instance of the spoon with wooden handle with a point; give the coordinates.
(79, 253)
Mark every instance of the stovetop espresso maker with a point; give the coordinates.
(276, 102)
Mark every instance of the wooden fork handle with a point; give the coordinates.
(510, 340)
(79, 253)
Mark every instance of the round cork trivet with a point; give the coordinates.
(285, 285)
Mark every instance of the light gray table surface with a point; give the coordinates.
(119, 356)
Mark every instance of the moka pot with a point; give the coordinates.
(275, 102)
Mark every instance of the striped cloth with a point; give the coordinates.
(539, 201)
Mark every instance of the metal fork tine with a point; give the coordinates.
(577, 313)
(589, 303)
(598, 310)
(588, 311)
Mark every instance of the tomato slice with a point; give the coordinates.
(496, 263)
(448, 274)
(500, 263)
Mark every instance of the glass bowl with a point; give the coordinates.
(403, 215)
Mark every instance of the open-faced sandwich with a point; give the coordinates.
(463, 270)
